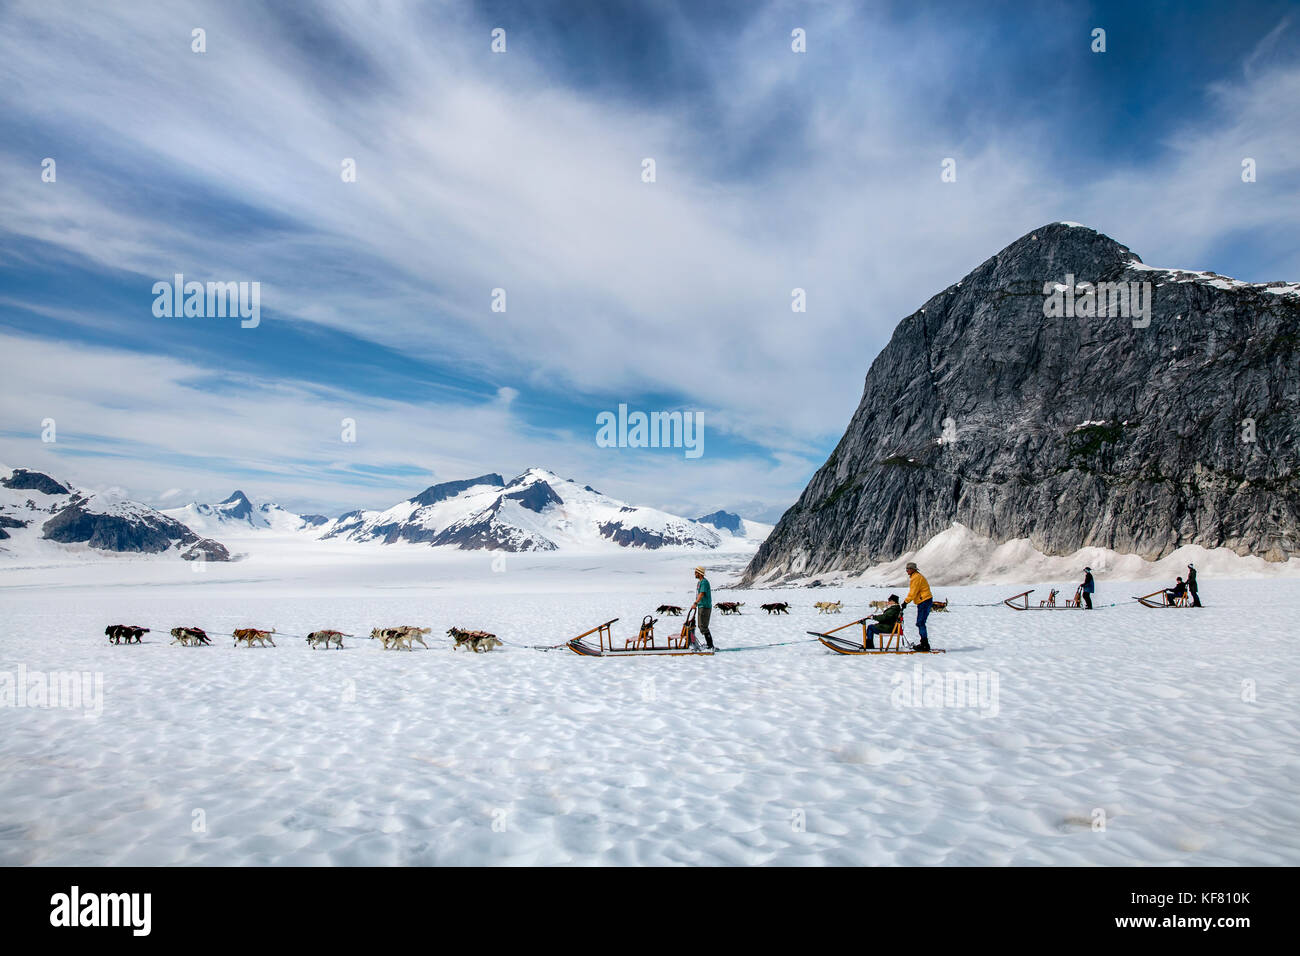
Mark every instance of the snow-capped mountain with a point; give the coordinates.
(237, 513)
(35, 508)
(537, 511)
(733, 524)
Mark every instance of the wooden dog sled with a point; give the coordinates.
(643, 645)
(1183, 600)
(1046, 604)
(891, 643)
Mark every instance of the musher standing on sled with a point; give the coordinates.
(703, 605)
(1087, 587)
(919, 594)
(1191, 586)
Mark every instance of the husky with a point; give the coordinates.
(401, 636)
(325, 637)
(477, 641)
(117, 633)
(251, 634)
(190, 636)
(416, 634)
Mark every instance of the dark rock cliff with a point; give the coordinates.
(147, 531)
(1070, 430)
(724, 520)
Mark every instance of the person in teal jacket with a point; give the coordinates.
(703, 605)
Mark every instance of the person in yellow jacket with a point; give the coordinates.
(919, 594)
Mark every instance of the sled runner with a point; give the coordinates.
(1046, 604)
(643, 645)
(1162, 600)
(891, 643)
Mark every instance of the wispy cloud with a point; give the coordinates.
(159, 422)
(478, 171)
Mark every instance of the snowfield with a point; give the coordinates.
(1124, 736)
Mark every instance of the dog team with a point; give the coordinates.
(398, 638)
(393, 638)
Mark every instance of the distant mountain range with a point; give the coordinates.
(238, 512)
(35, 507)
(536, 511)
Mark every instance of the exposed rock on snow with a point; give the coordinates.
(23, 480)
(733, 524)
(450, 489)
(971, 414)
(117, 527)
(36, 507)
(205, 549)
(237, 507)
(724, 520)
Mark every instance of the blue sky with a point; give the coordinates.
(521, 171)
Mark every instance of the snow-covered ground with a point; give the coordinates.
(958, 555)
(1121, 736)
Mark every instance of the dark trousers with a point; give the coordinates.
(1087, 599)
(922, 612)
(871, 635)
(1196, 598)
(702, 615)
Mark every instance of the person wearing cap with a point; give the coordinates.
(703, 605)
(1191, 586)
(885, 621)
(1172, 596)
(1087, 587)
(919, 594)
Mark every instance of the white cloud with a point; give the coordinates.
(477, 172)
(152, 422)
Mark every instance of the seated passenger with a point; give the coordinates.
(885, 621)
(1172, 595)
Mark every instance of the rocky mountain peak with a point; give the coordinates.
(535, 496)
(237, 506)
(1068, 243)
(24, 480)
(450, 489)
(724, 520)
(1071, 428)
